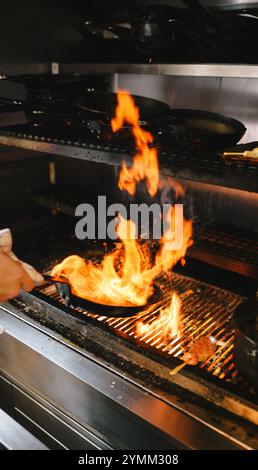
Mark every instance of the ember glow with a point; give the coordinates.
(126, 275)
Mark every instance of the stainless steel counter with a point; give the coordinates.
(14, 437)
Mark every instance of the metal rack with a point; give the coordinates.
(204, 168)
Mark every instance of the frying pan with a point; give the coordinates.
(103, 104)
(245, 322)
(203, 130)
(64, 290)
(208, 130)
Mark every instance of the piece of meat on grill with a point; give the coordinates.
(200, 351)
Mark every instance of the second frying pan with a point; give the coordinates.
(207, 130)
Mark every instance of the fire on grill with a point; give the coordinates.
(126, 276)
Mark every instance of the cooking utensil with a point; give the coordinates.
(103, 104)
(246, 155)
(245, 322)
(64, 290)
(148, 32)
(207, 130)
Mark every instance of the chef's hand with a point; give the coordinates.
(13, 278)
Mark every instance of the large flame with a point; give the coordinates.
(167, 324)
(145, 163)
(132, 284)
(107, 284)
(125, 276)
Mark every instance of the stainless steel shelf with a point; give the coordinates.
(65, 149)
(188, 168)
(7, 70)
(195, 70)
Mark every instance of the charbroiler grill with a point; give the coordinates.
(213, 398)
(75, 379)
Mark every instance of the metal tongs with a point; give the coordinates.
(247, 155)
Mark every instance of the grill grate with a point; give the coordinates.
(205, 310)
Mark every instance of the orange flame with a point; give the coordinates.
(125, 276)
(133, 283)
(105, 284)
(166, 324)
(145, 164)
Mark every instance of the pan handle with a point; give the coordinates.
(54, 280)
(62, 287)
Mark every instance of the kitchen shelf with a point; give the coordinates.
(210, 169)
(193, 70)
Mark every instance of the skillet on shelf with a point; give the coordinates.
(207, 130)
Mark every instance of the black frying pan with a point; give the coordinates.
(64, 290)
(208, 130)
(245, 321)
(103, 104)
(203, 130)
